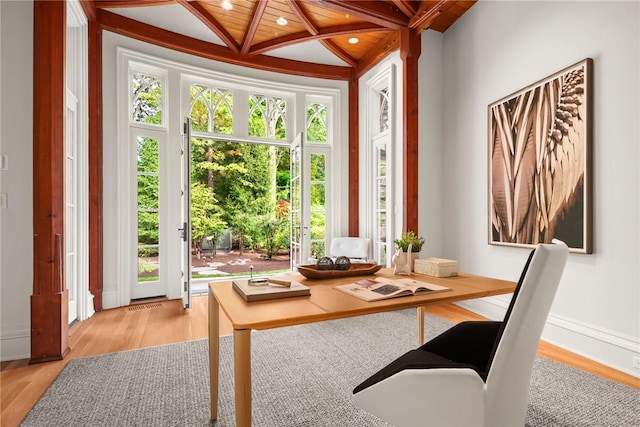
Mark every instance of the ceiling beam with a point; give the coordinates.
(302, 17)
(339, 52)
(302, 36)
(377, 12)
(427, 14)
(256, 17)
(148, 33)
(382, 49)
(406, 6)
(89, 9)
(211, 22)
(107, 4)
(313, 30)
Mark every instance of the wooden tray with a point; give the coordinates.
(356, 269)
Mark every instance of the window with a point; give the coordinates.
(379, 163)
(148, 208)
(147, 139)
(267, 117)
(242, 132)
(146, 99)
(211, 109)
(317, 141)
(316, 122)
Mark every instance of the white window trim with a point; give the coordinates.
(125, 157)
(77, 73)
(383, 75)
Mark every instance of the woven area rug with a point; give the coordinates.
(302, 376)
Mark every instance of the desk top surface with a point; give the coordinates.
(327, 303)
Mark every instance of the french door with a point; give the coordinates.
(298, 215)
(185, 204)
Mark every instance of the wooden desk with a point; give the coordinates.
(325, 303)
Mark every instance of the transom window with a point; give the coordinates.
(211, 109)
(267, 116)
(146, 98)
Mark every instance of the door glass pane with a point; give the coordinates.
(148, 204)
(148, 228)
(382, 160)
(147, 154)
(317, 225)
(318, 212)
(148, 190)
(382, 226)
(382, 194)
(381, 197)
(148, 266)
(317, 249)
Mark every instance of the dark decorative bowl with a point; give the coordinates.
(356, 269)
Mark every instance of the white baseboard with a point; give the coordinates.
(110, 299)
(15, 345)
(604, 346)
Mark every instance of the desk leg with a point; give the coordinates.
(214, 353)
(420, 325)
(242, 375)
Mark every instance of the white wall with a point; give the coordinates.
(495, 49)
(16, 142)
(431, 137)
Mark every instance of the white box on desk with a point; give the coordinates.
(436, 267)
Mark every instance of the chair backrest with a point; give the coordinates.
(351, 247)
(510, 370)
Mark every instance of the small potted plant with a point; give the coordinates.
(409, 238)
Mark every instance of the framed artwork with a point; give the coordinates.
(540, 162)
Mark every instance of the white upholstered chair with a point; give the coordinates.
(476, 373)
(354, 248)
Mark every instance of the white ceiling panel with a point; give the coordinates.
(311, 51)
(170, 17)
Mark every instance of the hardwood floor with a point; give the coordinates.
(164, 322)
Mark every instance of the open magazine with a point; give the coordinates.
(385, 288)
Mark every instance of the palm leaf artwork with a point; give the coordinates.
(537, 158)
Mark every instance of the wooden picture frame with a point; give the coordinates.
(540, 173)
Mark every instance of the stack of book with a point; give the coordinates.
(269, 288)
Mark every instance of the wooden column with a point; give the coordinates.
(49, 302)
(353, 160)
(95, 163)
(410, 49)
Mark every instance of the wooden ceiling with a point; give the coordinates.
(249, 34)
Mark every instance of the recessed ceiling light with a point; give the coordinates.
(354, 40)
(282, 21)
(226, 5)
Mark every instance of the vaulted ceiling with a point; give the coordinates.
(338, 39)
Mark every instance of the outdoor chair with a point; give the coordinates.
(354, 248)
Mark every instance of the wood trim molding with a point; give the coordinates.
(96, 253)
(353, 159)
(410, 49)
(49, 302)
